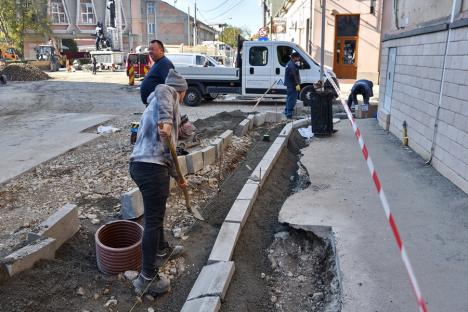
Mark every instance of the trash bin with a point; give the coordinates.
(320, 103)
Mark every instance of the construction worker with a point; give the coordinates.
(364, 88)
(150, 167)
(158, 71)
(292, 81)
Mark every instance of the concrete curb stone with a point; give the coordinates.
(251, 117)
(286, 131)
(131, 204)
(239, 211)
(259, 119)
(249, 191)
(209, 155)
(218, 144)
(205, 304)
(61, 225)
(213, 280)
(242, 128)
(194, 162)
(26, 257)
(225, 243)
(226, 136)
(183, 164)
(301, 123)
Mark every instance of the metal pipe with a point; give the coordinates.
(322, 51)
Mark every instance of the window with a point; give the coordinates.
(151, 28)
(347, 25)
(87, 12)
(57, 10)
(284, 55)
(258, 56)
(150, 8)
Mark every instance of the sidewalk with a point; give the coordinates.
(431, 213)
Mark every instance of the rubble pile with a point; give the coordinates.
(23, 72)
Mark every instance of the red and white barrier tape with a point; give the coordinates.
(383, 201)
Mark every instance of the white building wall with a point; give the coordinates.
(417, 79)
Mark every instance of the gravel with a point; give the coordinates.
(23, 72)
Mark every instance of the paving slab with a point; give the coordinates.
(213, 280)
(239, 211)
(132, 204)
(225, 242)
(35, 138)
(61, 225)
(430, 211)
(26, 257)
(205, 304)
(194, 162)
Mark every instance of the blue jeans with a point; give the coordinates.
(153, 182)
(291, 98)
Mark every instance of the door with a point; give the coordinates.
(346, 46)
(389, 80)
(257, 69)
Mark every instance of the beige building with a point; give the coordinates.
(352, 33)
(141, 22)
(424, 80)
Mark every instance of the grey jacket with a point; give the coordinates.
(163, 108)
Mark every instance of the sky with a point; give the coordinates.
(240, 13)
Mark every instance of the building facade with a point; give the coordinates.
(140, 20)
(352, 33)
(424, 80)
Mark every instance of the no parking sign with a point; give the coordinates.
(262, 34)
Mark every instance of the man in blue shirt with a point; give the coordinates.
(158, 72)
(363, 87)
(292, 81)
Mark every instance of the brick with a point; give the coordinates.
(242, 128)
(251, 123)
(213, 280)
(218, 144)
(249, 192)
(194, 162)
(183, 164)
(226, 136)
(259, 119)
(61, 226)
(209, 155)
(205, 304)
(239, 211)
(287, 130)
(225, 243)
(131, 204)
(26, 257)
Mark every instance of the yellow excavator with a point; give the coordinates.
(8, 53)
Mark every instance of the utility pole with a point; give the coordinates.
(130, 34)
(322, 43)
(155, 20)
(188, 26)
(195, 26)
(311, 26)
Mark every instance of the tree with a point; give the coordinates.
(17, 17)
(229, 35)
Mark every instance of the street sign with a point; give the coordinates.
(262, 34)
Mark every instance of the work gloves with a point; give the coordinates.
(298, 88)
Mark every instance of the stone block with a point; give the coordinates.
(282, 141)
(26, 257)
(131, 204)
(274, 117)
(61, 226)
(213, 280)
(249, 192)
(262, 170)
(287, 130)
(301, 123)
(259, 119)
(239, 211)
(225, 242)
(227, 138)
(384, 119)
(209, 156)
(218, 144)
(273, 152)
(205, 304)
(183, 164)
(251, 123)
(194, 162)
(242, 128)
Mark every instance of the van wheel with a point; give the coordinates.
(192, 97)
(210, 96)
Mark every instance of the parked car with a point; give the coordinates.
(193, 60)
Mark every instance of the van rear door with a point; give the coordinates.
(257, 62)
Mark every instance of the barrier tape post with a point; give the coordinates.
(383, 200)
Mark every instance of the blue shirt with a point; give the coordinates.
(157, 75)
(291, 75)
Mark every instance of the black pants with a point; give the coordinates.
(153, 182)
(353, 99)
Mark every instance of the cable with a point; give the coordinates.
(214, 9)
(227, 11)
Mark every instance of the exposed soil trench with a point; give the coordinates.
(72, 282)
(279, 268)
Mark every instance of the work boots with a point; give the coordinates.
(168, 253)
(159, 286)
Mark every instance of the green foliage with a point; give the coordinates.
(20, 16)
(71, 44)
(230, 33)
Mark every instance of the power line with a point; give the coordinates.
(227, 11)
(214, 9)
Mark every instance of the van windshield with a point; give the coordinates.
(302, 51)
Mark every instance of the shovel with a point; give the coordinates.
(181, 180)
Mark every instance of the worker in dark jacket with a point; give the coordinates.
(362, 87)
(158, 72)
(292, 81)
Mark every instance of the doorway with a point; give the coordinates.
(345, 54)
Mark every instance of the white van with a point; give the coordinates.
(192, 60)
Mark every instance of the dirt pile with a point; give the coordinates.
(23, 72)
(217, 124)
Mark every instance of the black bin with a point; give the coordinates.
(321, 111)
